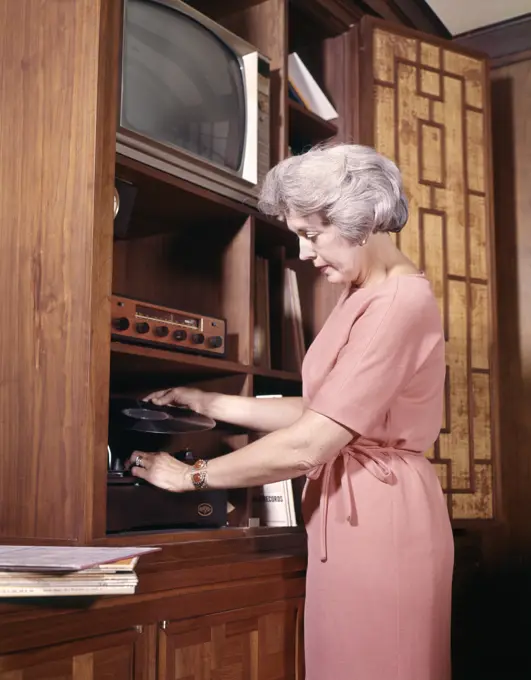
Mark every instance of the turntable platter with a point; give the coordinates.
(143, 416)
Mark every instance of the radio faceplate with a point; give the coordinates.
(143, 323)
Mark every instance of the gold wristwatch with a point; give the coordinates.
(199, 475)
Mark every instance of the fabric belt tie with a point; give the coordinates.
(373, 459)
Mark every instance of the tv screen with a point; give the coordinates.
(181, 85)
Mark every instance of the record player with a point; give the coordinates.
(132, 503)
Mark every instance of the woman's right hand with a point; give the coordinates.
(191, 397)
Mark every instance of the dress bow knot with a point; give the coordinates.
(375, 459)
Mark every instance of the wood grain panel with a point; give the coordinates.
(385, 129)
(511, 107)
(430, 55)
(410, 110)
(432, 147)
(475, 149)
(430, 115)
(430, 83)
(55, 263)
(481, 422)
(451, 198)
(455, 444)
(442, 472)
(479, 309)
(477, 222)
(256, 643)
(432, 230)
(472, 71)
(107, 657)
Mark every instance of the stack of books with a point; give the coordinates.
(64, 571)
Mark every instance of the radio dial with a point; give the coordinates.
(162, 331)
(121, 324)
(142, 327)
(179, 336)
(198, 338)
(215, 341)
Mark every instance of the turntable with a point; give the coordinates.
(132, 503)
(144, 416)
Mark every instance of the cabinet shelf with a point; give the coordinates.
(306, 128)
(282, 537)
(275, 373)
(165, 203)
(131, 364)
(136, 362)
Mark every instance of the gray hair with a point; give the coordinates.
(353, 187)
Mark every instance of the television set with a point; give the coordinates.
(194, 98)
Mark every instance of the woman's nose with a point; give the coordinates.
(306, 251)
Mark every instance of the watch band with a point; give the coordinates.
(199, 474)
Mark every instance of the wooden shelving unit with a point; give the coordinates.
(189, 248)
(185, 247)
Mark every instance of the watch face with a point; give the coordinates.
(198, 479)
(116, 202)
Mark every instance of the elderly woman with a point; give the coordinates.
(380, 548)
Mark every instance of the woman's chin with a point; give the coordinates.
(333, 276)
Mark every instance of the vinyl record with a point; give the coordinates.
(143, 416)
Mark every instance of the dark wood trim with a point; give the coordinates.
(370, 22)
(412, 13)
(335, 16)
(338, 15)
(505, 43)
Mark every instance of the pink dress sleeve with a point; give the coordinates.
(387, 345)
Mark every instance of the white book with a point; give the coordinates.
(308, 89)
(273, 504)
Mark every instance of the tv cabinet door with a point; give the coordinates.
(424, 102)
(262, 642)
(99, 658)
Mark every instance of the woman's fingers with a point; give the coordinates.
(162, 397)
(159, 469)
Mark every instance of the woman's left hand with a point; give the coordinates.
(162, 470)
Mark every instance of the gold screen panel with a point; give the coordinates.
(429, 117)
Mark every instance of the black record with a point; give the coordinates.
(144, 416)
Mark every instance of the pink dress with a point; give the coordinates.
(380, 543)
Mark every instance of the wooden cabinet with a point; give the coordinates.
(109, 657)
(425, 103)
(191, 619)
(256, 642)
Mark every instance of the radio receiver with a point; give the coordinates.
(140, 322)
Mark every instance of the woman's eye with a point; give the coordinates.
(311, 236)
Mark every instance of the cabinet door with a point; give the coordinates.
(255, 643)
(424, 103)
(108, 657)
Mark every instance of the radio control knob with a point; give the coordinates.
(121, 324)
(179, 336)
(198, 338)
(162, 331)
(215, 341)
(142, 327)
